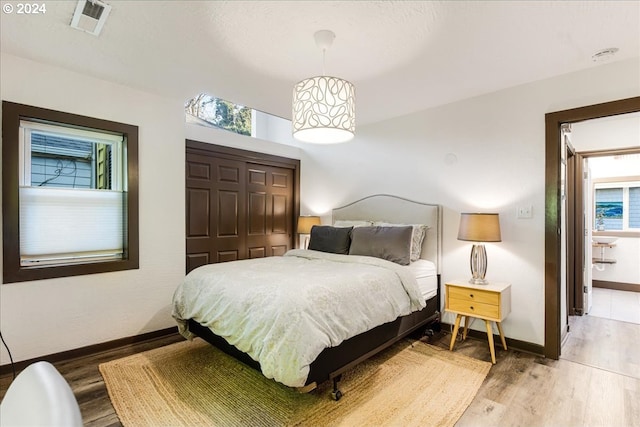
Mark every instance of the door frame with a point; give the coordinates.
(570, 222)
(552, 242)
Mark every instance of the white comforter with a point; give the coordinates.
(283, 311)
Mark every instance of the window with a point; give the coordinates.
(70, 201)
(216, 112)
(210, 111)
(617, 205)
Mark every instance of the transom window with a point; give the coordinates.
(216, 112)
(210, 111)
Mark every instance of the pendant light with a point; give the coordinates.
(323, 107)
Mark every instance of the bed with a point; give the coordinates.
(412, 290)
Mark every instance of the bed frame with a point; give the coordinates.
(334, 361)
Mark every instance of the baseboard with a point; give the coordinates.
(91, 349)
(513, 344)
(618, 286)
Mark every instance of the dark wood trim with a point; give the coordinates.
(232, 153)
(618, 286)
(12, 272)
(512, 344)
(91, 349)
(552, 249)
(553, 122)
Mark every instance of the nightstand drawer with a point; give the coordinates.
(474, 295)
(473, 308)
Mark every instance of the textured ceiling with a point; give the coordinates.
(402, 56)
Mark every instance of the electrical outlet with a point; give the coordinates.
(525, 212)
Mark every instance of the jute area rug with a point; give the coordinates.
(193, 383)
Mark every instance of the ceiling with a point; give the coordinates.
(402, 56)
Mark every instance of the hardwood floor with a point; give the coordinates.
(596, 382)
(520, 390)
(87, 383)
(607, 344)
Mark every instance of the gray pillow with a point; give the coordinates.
(390, 243)
(326, 238)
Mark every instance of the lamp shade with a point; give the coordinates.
(479, 227)
(306, 222)
(323, 110)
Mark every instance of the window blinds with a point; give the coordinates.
(70, 225)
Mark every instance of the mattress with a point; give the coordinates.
(426, 275)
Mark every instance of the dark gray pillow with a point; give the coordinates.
(390, 243)
(326, 238)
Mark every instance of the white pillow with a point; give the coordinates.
(417, 236)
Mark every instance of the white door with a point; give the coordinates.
(588, 226)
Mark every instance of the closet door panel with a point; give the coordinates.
(280, 216)
(199, 172)
(229, 207)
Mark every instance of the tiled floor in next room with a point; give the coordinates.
(616, 305)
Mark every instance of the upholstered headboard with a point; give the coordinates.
(394, 209)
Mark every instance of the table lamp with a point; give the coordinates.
(304, 226)
(479, 227)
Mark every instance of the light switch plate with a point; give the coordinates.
(525, 212)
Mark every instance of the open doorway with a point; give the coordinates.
(615, 221)
(600, 236)
(602, 230)
(606, 275)
(553, 194)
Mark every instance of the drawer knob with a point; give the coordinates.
(471, 307)
(471, 295)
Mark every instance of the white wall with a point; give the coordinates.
(626, 252)
(268, 127)
(622, 131)
(229, 139)
(49, 316)
(482, 154)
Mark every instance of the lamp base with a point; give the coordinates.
(478, 263)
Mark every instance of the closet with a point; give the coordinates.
(239, 204)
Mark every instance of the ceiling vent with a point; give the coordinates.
(90, 16)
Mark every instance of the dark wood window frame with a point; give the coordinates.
(12, 113)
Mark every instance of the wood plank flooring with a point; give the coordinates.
(87, 383)
(587, 387)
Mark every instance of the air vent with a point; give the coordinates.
(90, 16)
(604, 54)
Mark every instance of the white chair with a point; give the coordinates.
(39, 396)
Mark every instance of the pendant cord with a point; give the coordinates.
(324, 52)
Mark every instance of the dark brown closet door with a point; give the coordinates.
(269, 210)
(215, 206)
(236, 206)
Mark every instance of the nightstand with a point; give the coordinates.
(491, 303)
